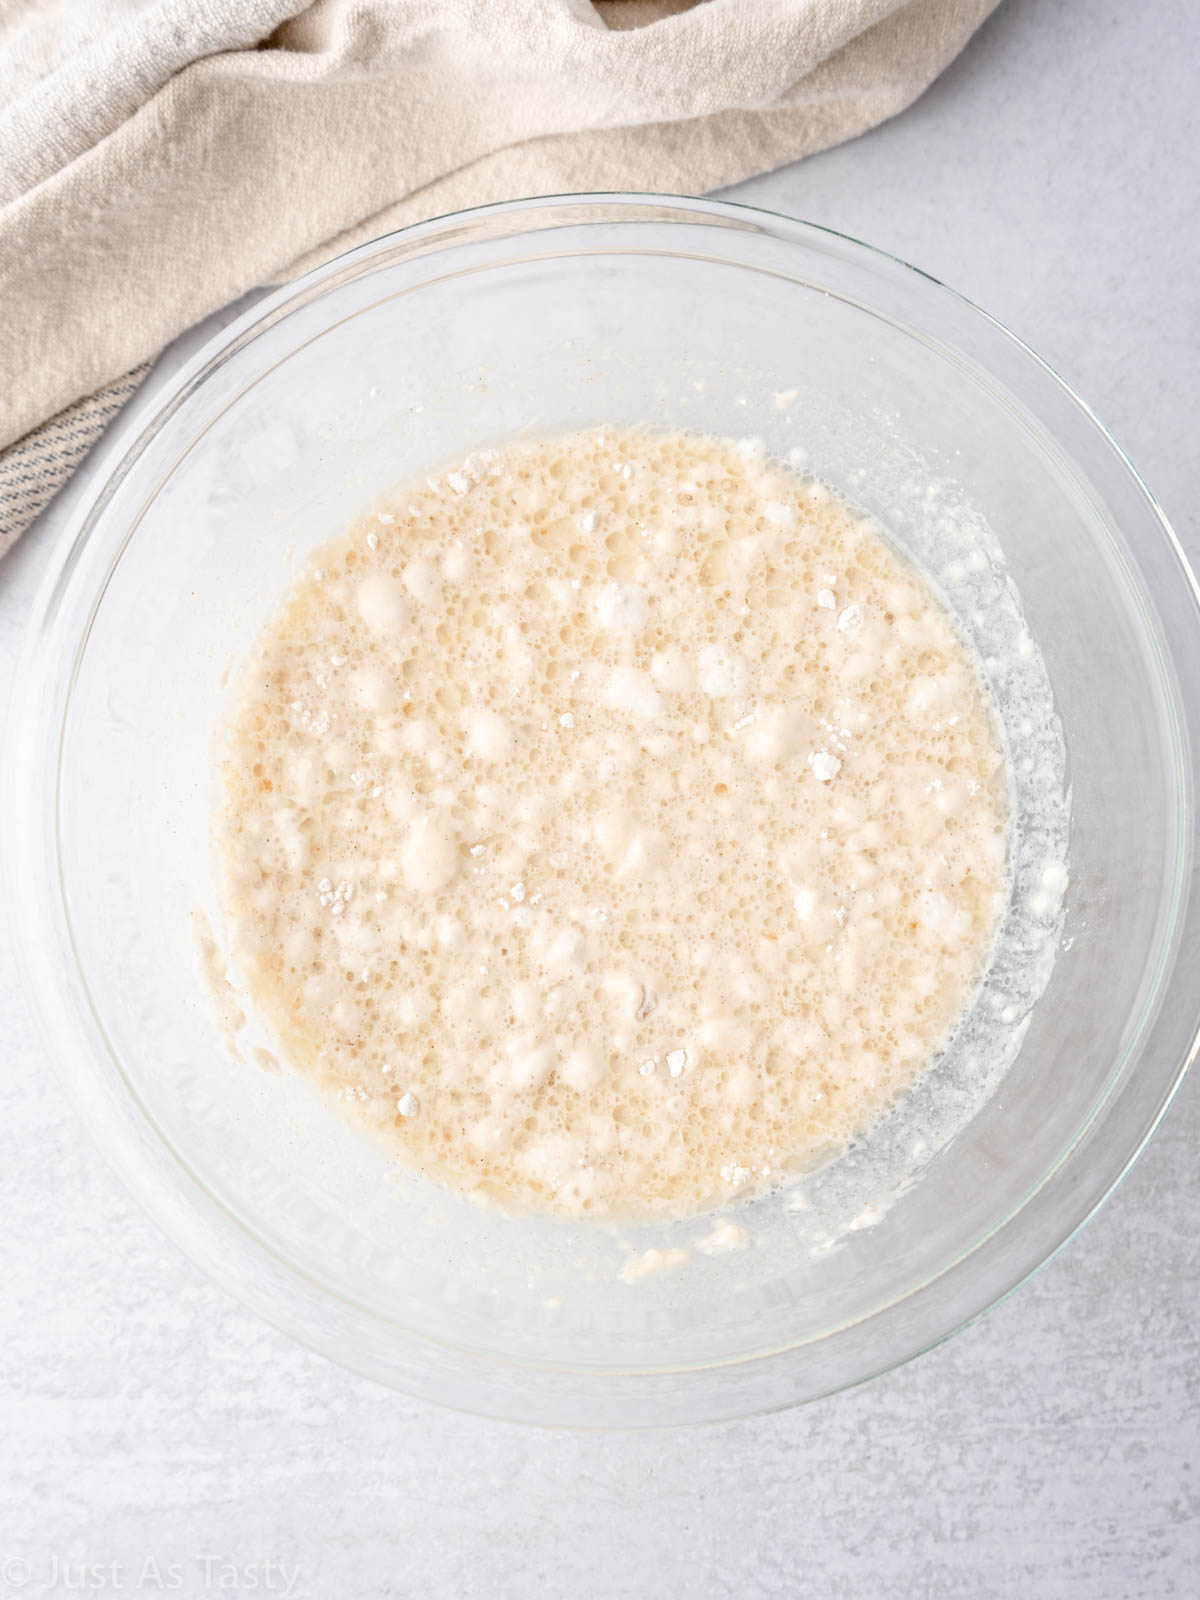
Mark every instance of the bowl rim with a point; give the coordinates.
(195, 1218)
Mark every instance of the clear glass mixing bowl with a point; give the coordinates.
(402, 355)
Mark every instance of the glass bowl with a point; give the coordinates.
(401, 356)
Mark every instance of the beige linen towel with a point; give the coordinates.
(160, 157)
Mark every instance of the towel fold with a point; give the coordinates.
(160, 157)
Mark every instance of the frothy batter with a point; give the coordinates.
(617, 821)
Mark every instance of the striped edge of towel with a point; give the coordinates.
(33, 470)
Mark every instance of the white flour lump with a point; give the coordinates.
(617, 821)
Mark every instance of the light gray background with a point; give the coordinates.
(1050, 1451)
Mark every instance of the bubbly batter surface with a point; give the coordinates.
(617, 821)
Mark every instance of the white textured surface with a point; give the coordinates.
(1049, 1453)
